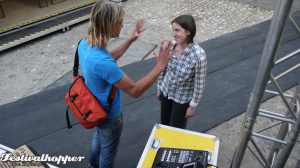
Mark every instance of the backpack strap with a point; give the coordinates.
(68, 118)
(111, 97)
(76, 61)
(112, 93)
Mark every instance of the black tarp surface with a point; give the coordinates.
(233, 60)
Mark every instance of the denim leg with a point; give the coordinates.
(110, 139)
(95, 150)
(107, 136)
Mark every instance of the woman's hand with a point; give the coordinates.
(137, 30)
(190, 112)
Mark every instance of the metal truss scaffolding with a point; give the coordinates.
(289, 122)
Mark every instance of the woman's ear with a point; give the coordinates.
(188, 33)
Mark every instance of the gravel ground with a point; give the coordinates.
(29, 68)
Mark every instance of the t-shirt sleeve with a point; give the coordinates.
(109, 71)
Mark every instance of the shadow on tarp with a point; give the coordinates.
(233, 60)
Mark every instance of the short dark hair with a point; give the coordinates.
(188, 23)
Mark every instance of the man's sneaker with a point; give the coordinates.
(90, 166)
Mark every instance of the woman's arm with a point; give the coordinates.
(200, 74)
(199, 85)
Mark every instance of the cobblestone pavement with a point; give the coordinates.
(213, 17)
(31, 67)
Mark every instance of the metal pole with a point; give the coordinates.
(274, 125)
(266, 63)
(269, 138)
(294, 24)
(276, 93)
(282, 131)
(260, 153)
(286, 72)
(256, 157)
(284, 153)
(290, 55)
(276, 146)
(282, 97)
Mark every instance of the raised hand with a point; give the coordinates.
(138, 28)
(163, 56)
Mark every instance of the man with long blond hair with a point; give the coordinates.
(101, 73)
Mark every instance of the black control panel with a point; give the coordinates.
(180, 158)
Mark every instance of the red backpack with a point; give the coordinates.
(84, 105)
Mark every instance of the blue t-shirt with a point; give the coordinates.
(100, 72)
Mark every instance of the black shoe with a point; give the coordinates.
(90, 166)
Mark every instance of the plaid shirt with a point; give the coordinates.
(183, 80)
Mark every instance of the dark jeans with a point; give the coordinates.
(172, 113)
(105, 143)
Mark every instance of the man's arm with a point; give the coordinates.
(136, 89)
(120, 50)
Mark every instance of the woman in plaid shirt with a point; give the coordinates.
(181, 84)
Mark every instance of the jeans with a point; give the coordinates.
(105, 143)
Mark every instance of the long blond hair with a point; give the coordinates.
(104, 16)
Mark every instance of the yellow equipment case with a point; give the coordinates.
(168, 138)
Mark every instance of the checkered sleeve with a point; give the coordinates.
(200, 74)
(160, 78)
